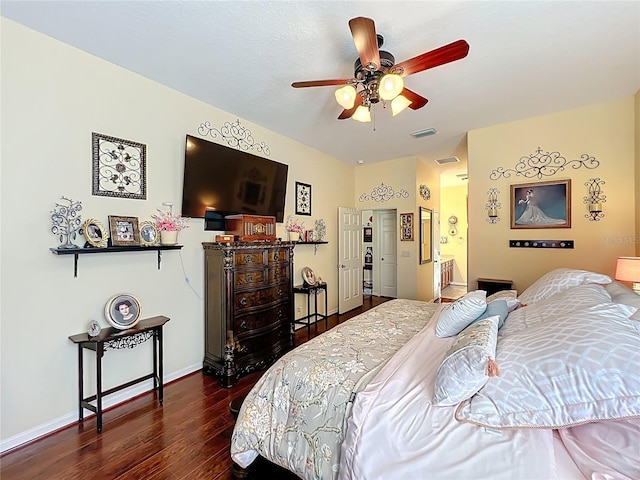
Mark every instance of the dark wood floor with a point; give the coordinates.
(188, 437)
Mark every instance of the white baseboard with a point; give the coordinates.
(108, 401)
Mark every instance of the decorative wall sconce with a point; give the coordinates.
(493, 205)
(595, 199)
(425, 193)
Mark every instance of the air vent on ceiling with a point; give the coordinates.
(444, 161)
(424, 133)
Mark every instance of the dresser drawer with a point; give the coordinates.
(245, 301)
(247, 324)
(279, 256)
(262, 346)
(251, 278)
(278, 274)
(249, 257)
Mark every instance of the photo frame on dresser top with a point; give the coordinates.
(124, 231)
(541, 205)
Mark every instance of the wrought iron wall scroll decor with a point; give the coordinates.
(235, 135)
(425, 193)
(492, 206)
(543, 164)
(119, 167)
(595, 199)
(383, 193)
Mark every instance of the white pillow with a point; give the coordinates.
(557, 281)
(468, 364)
(622, 294)
(509, 296)
(578, 368)
(456, 316)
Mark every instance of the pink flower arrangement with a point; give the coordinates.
(293, 225)
(167, 221)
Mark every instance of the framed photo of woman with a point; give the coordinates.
(541, 205)
(123, 311)
(94, 233)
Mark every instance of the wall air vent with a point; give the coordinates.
(424, 133)
(444, 161)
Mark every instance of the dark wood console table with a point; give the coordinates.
(310, 318)
(112, 338)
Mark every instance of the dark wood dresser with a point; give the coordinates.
(249, 308)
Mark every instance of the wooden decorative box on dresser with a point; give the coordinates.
(249, 308)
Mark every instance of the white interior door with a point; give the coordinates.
(388, 249)
(435, 243)
(350, 258)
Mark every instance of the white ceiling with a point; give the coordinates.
(525, 59)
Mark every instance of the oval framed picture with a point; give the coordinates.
(308, 276)
(149, 234)
(123, 311)
(95, 234)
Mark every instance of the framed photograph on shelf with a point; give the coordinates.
(124, 231)
(406, 226)
(119, 167)
(149, 234)
(95, 233)
(303, 199)
(123, 311)
(541, 205)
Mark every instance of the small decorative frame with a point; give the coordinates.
(303, 199)
(367, 234)
(406, 227)
(94, 233)
(124, 231)
(119, 167)
(308, 277)
(425, 193)
(149, 234)
(541, 205)
(123, 311)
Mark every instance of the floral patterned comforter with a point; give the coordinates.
(296, 414)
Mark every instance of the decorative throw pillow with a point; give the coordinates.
(557, 281)
(509, 296)
(622, 294)
(496, 307)
(468, 364)
(456, 316)
(580, 367)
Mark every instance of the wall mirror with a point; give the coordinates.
(425, 235)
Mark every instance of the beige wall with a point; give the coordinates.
(53, 98)
(637, 170)
(604, 131)
(454, 202)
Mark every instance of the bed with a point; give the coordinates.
(541, 385)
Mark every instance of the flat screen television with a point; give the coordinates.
(220, 181)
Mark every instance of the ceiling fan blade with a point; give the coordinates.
(364, 35)
(321, 83)
(417, 101)
(348, 113)
(439, 56)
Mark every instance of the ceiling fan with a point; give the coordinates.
(377, 77)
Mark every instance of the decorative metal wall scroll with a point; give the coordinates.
(66, 222)
(406, 226)
(595, 199)
(303, 198)
(383, 193)
(235, 135)
(493, 206)
(543, 164)
(119, 167)
(425, 193)
(541, 243)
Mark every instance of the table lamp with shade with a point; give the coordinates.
(628, 270)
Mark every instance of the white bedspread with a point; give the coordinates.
(395, 433)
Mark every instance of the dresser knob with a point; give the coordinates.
(275, 257)
(243, 325)
(243, 301)
(248, 259)
(279, 292)
(249, 278)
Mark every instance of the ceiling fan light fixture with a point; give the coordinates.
(390, 86)
(398, 104)
(346, 96)
(362, 114)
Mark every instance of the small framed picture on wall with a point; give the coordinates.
(406, 227)
(303, 199)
